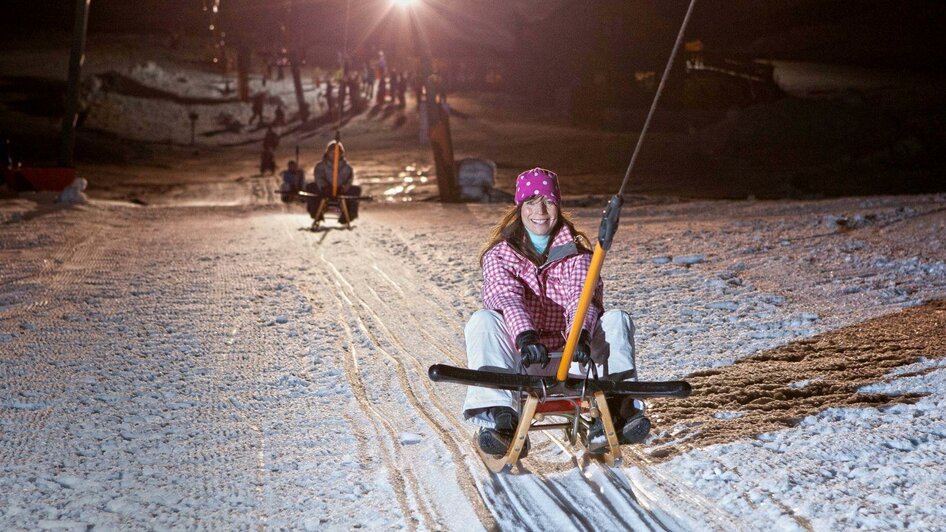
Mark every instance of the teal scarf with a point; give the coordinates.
(539, 242)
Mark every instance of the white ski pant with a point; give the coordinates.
(488, 343)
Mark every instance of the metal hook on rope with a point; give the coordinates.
(336, 157)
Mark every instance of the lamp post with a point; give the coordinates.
(68, 138)
(438, 119)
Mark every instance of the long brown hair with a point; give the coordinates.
(511, 230)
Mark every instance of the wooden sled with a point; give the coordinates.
(579, 401)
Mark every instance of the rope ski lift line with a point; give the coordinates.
(341, 104)
(335, 164)
(339, 200)
(574, 396)
(611, 216)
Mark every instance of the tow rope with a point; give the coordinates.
(335, 164)
(341, 103)
(611, 216)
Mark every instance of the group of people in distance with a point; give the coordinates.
(325, 183)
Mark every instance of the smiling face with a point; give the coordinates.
(539, 215)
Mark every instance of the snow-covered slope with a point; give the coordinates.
(224, 368)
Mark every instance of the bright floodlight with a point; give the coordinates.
(404, 3)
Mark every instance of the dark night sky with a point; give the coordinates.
(868, 32)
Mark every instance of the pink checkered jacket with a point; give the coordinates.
(544, 298)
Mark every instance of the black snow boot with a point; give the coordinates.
(635, 429)
(630, 423)
(496, 440)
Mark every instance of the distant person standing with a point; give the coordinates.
(268, 157)
(293, 179)
(270, 140)
(418, 89)
(354, 89)
(395, 75)
(279, 119)
(382, 65)
(330, 97)
(378, 75)
(257, 106)
(342, 93)
(319, 95)
(382, 90)
(401, 90)
(369, 81)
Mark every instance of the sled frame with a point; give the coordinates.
(529, 420)
(323, 208)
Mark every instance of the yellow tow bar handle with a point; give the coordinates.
(606, 231)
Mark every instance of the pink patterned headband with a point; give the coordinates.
(538, 181)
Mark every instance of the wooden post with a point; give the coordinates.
(243, 73)
(438, 122)
(297, 84)
(77, 57)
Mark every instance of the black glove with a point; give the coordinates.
(582, 353)
(531, 351)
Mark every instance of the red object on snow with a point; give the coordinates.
(54, 178)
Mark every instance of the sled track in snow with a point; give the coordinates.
(451, 416)
(359, 312)
(405, 484)
(68, 267)
(381, 426)
(616, 477)
(383, 312)
(451, 431)
(358, 324)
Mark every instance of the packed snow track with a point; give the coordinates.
(224, 367)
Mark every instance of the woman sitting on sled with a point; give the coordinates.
(534, 266)
(322, 186)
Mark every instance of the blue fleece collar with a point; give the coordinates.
(539, 242)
